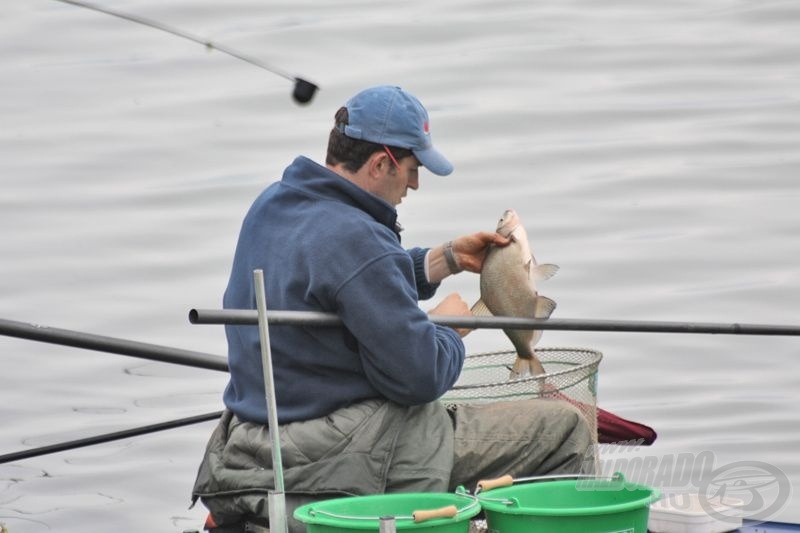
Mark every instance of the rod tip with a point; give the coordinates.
(193, 315)
(304, 91)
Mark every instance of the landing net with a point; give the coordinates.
(570, 375)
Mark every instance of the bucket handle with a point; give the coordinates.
(507, 480)
(448, 511)
(489, 484)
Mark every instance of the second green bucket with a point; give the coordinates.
(569, 506)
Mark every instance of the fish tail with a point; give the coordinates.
(519, 369)
(526, 366)
(535, 365)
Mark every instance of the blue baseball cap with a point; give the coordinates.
(390, 116)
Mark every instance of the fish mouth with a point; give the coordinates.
(507, 232)
(509, 216)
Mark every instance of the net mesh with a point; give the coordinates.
(570, 375)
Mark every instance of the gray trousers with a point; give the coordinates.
(380, 447)
(521, 438)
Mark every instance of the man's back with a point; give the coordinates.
(326, 245)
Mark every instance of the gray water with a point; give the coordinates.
(651, 150)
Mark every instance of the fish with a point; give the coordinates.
(508, 288)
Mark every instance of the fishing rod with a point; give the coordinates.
(319, 319)
(165, 354)
(303, 91)
(107, 437)
(89, 341)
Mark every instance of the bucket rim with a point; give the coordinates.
(311, 513)
(502, 505)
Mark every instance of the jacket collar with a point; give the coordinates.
(317, 180)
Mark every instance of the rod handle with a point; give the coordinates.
(489, 484)
(448, 511)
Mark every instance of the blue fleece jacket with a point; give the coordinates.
(325, 244)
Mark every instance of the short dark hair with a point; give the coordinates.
(353, 153)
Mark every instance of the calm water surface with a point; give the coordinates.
(650, 149)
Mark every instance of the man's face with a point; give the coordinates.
(400, 176)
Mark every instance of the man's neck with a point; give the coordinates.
(354, 177)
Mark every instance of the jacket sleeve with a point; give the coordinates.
(404, 355)
(425, 289)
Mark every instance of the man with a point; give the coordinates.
(357, 405)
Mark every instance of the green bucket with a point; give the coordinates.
(569, 506)
(363, 513)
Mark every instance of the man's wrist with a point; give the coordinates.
(436, 268)
(450, 257)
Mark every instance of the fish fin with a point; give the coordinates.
(544, 307)
(480, 309)
(519, 369)
(523, 367)
(536, 337)
(544, 271)
(535, 366)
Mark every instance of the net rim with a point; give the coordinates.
(594, 362)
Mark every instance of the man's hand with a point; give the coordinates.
(470, 250)
(453, 305)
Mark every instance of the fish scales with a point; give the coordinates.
(508, 288)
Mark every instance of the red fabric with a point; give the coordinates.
(210, 523)
(612, 428)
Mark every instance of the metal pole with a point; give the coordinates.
(319, 319)
(277, 498)
(387, 525)
(249, 317)
(78, 339)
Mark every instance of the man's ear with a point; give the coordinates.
(376, 164)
